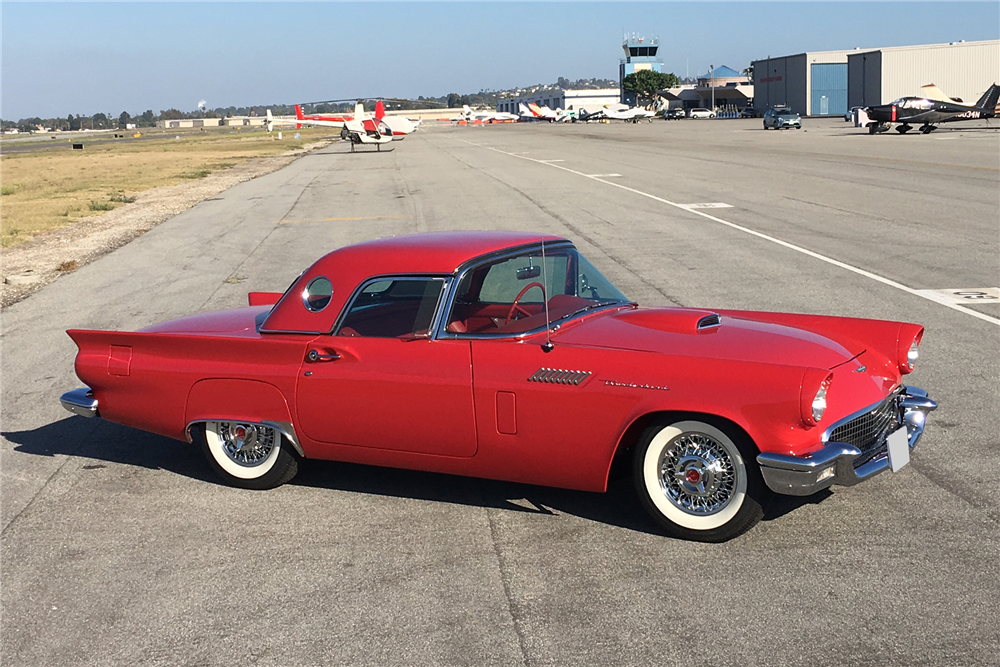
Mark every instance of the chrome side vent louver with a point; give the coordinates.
(712, 320)
(557, 376)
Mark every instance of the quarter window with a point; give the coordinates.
(393, 307)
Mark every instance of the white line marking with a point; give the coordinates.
(714, 205)
(604, 175)
(930, 295)
(546, 161)
(969, 295)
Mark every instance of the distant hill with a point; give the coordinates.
(484, 98)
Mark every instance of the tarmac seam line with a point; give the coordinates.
(505, 580)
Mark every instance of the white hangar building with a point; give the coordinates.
(828, 83)
(959, 69)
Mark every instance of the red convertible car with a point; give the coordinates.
(509, 356)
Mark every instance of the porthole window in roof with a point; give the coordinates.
(317, 294)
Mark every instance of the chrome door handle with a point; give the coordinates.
(315, 355)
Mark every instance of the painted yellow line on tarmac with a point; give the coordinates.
(352, 219)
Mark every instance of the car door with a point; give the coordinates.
(380, 381)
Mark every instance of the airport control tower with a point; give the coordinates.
(640, 54)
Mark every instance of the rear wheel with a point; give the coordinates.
(699, 481)
(250, 456)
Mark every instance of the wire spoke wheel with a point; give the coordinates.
(699, 480)
(247, 444)
(248, 455)
(697, 474)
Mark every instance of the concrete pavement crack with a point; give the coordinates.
(512, 607)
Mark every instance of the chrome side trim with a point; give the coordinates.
(284, 428)
(801, 475)
(80, 402)
(558, 376)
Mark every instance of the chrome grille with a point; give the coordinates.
(868, 431)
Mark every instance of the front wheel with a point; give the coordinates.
(250, 456)
(699, 481)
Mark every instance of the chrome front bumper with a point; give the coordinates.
(80, 402)
(834, 463)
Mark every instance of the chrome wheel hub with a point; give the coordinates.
(697, 474)
(247, 444)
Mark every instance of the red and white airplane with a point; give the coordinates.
(396, 126)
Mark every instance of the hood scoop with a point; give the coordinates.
(676, 320)
(709, 321)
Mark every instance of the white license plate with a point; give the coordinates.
(899, 449)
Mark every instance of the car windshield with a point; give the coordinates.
(785, 112)
(510, 295)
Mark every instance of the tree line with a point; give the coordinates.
(108, 121)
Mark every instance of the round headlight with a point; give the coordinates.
(813, 394)
(819, 402)
(911, 356)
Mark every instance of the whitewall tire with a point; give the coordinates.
(248, 455)
(699, 480)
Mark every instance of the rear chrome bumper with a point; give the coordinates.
(834, 463)
(80, 402)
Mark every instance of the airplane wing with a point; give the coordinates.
(932, 92)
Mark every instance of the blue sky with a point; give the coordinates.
(82, 58)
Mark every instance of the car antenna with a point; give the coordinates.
(547, 347)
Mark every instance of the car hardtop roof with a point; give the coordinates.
(431, 253)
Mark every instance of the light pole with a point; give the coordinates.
(711, 73)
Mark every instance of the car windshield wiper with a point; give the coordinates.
(589, 307)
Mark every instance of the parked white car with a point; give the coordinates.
(701, 113)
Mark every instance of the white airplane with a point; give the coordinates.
(484, 116)
(534, 112)
(627, 113)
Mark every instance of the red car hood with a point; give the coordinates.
(675, 331)
(219, 321)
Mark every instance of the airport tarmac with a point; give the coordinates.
(119, 547)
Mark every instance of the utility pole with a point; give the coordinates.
(711, 71)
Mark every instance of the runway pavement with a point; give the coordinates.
(119, 547)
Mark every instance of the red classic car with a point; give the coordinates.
(509, 356)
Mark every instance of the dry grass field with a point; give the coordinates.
(46, 189)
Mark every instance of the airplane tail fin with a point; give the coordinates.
(987, 104)
(298, 112)
(379, 110)
(359, 111)
(269, 121)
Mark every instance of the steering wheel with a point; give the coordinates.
(516, 308)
